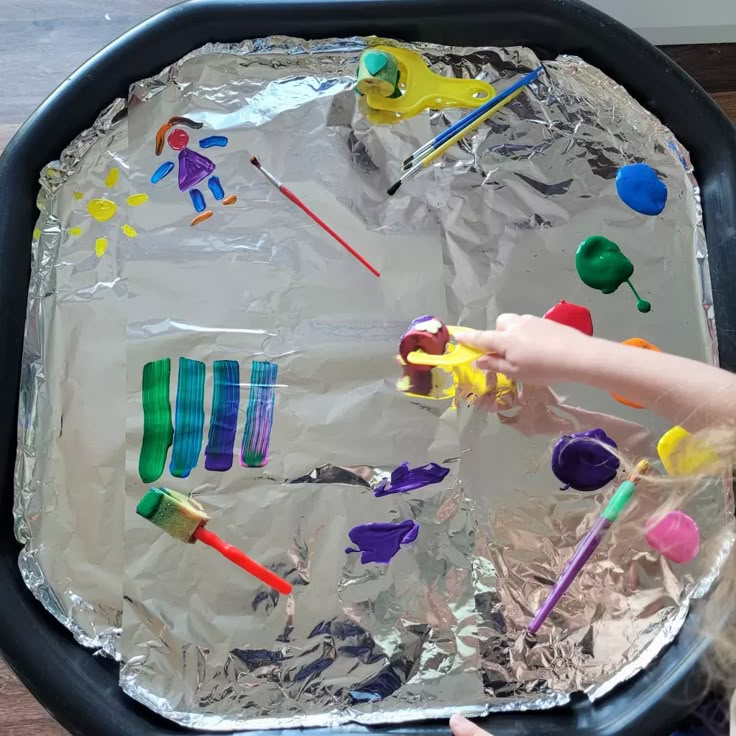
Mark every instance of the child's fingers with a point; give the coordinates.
(495, 363)
(506, 320)
(463, 727)
(490, 341)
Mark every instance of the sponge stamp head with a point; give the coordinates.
(173, 512)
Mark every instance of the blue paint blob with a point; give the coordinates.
(216, 188)
(639, 187)
(197, 200)
(380, 541)
(213, 141)
(164, 170)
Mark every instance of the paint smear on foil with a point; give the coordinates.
(213, 141)
(189, 422)
(112, 177)
(405, 479)
(136, 200)
(259, 415)
(157, 429)
(162, 171)
(380, 541)
(224, 416)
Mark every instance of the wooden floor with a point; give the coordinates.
(44, 40)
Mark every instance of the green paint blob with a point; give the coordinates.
(602, 266)
(158, 432)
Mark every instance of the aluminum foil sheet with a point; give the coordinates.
(492, 227)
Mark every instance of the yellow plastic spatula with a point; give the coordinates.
(454, 355)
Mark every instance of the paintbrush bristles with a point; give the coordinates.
(639, 470)
(266, 173)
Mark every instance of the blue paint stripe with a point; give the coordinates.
(189, 423)
(216, 188)
(197, 200)
(164, 170)
(224, 416)
(213, 141)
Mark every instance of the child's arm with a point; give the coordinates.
(541, 351)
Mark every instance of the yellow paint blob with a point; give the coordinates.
(100, 246)
(112, 177)
(101, 209)
(683, 454)
(75, 231)
(129, 231)
(137, 199)
(78, 195)
(36, 234)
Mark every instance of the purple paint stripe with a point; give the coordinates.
(259, 415)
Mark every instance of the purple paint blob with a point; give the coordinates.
(581, 460)
(380, 541)
(405, 479)
(193, 168)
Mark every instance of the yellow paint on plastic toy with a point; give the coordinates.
(683, 454)
(422, 89)
(454, 354)
(454, 375)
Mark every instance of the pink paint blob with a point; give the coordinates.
(178, 139)
(675, 536)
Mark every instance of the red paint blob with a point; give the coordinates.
(572, 315)
(178, 139)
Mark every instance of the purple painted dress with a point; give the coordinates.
(193, 168)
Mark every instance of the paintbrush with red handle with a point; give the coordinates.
(290, 195)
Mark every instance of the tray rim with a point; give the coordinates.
(68, 680)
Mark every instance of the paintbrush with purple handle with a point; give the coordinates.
(589, 544)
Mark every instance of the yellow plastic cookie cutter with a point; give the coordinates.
(422, 89)
(455, 354)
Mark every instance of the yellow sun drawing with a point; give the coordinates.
(102, 210)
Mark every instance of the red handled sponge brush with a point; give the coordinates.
(185, 520)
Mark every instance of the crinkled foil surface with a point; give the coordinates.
(492, 227)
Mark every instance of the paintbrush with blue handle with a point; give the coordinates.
(471, 117)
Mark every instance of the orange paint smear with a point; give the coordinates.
(636, 342)
(202, 217)
(232, 199)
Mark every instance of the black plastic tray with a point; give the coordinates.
(81, 690)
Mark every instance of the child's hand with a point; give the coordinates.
(529, 349)
(463, 727)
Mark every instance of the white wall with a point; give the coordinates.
(675, 21)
